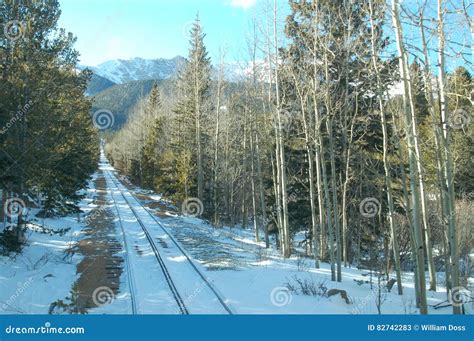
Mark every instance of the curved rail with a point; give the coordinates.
(169, 280)
(189, 260)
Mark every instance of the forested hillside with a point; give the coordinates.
(98, 84)
(341, 128)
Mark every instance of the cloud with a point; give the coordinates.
(245, 4)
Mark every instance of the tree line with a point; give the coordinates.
(48, 143)
(342, 126)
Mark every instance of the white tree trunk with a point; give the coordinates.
(410, 122)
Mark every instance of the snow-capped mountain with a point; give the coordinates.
(122, 71)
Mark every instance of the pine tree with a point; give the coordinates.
(461, 89)
(192, 115)
(153, 145)
(49, 144)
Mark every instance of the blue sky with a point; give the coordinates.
(111, 29)
(124, 29)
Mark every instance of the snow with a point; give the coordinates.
(252, 286)
(42, 273)
(148, 277)
(249, 278)
(122, 71)
(252, 278)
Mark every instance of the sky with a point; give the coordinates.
(124, 29)
(150, 29)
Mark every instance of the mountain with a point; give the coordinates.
(117, 85)
(120, 98)
(121, 71)
(98, 84)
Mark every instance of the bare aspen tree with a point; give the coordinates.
(302, 93)
(388, 177)
(422, 194)
(450, 197)
(274, 96)
(255, 141)
(410, 122)
(253, 186)
(331, 200)
(277, 177)
(429, 94)
(315, 88)
(263, 205)
(465, 7)
(220, 81)
(243, 196)
(284, 193)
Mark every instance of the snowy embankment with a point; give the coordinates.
(45, 270)
(255, 280)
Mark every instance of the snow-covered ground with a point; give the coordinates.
(256, 280)
(45, 270)
(151, 289)
(251, 279)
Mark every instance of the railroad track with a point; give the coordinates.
(188, 259)
(130, 280)
(177, 297)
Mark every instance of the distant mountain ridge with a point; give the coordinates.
(121, 71)
(117, 85)
(121, 98)
(98, 84)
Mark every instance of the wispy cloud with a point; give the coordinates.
(245, 4)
